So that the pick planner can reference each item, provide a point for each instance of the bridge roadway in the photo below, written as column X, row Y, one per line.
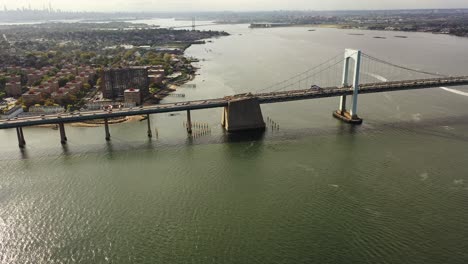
column 263, row 98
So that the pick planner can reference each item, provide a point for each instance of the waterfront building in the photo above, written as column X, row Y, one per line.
column 13, row 112
column 100, row 104
column 115, row 81
column 132, row 96
column 46, row 109
column 32, row 97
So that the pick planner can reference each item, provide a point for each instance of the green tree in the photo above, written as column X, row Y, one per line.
column 20, row 101
column 49, row 102
column 128, row 54
column 62, row 81
column 167, row 57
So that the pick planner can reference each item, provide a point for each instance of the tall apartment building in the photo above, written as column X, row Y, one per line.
column 13, row 89
column 115, row 81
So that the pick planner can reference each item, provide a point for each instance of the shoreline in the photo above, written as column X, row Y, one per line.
column 98, row 122
column 349, row 27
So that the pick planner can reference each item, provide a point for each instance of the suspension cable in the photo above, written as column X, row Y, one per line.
column 315, row 74
column 401, row 67
column 300, row 74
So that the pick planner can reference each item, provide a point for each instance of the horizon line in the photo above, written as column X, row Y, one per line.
column 237, row 11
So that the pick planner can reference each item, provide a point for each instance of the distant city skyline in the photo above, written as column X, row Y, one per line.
column 227, row 5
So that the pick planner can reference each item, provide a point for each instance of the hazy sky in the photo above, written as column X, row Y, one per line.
column 234, row 5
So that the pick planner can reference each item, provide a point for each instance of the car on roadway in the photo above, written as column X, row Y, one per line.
column 316, row 88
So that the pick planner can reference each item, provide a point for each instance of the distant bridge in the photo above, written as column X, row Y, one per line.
column 243, row 112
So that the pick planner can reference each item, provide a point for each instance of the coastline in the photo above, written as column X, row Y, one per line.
column 350, row 27
column 98, row 122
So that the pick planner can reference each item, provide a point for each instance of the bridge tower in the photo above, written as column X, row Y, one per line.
column 342, row 113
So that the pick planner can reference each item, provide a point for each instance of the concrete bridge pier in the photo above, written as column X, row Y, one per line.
column 106, row 126
column 243, row 114
column 21, row 141
column 150, row 134
column 189, row 122
column 63, row 136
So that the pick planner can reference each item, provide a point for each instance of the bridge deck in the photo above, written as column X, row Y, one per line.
column 264, row 98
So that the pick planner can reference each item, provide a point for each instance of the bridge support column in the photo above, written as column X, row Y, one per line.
column 243, row 114
column 150, row 134
column 342, row 108
column 63, row 136
column 341, row 113
column 19, row 133
column 189, row 122
column 22, row 136
column 106, row 126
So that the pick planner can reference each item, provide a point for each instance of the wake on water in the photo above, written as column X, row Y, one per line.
column 383, row 79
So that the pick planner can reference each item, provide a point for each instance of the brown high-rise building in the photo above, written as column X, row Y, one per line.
column 13, row 89
column 115, row 81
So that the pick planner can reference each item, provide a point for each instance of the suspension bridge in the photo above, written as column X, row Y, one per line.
column 341, row 76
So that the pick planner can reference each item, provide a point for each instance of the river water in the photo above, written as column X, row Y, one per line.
column 394, row 190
